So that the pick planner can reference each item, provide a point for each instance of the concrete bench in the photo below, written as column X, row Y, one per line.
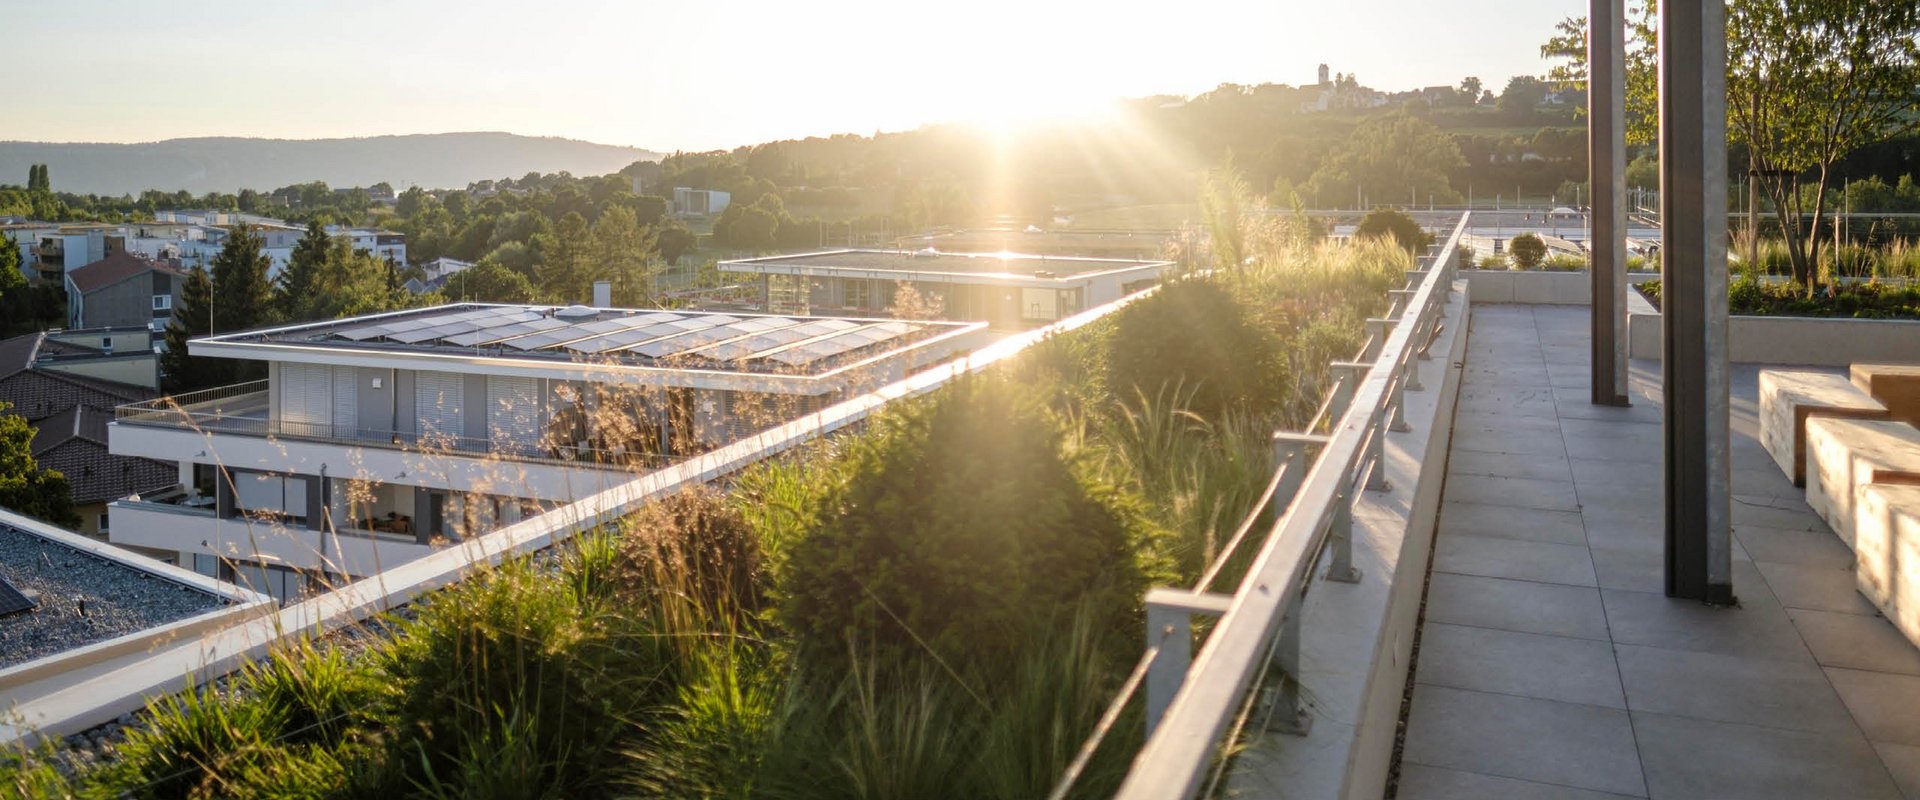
column 1845, row 454
column 1887, row 549
column 1788, row 397
column 1896, row 386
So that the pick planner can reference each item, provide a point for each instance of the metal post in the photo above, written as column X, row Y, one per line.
column 1693, row 213
column 1292, row 452
column 1284, row 714
column 1607, row 172
column 1398, row 422
column 1376, row 337
column 1340, row 539
column 1347, row 375
column 1170, row 627
column 1376, row 452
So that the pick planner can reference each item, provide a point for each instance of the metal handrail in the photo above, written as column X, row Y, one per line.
column 177, row 402
column 157, row 414
column 1174, row 759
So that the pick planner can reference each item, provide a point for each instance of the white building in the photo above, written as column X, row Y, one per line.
column 699, row 202
column 1007, row 290
column 382, row 243
column 374, row 440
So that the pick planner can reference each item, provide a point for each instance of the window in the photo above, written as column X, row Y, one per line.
column 163, row 302
column 103, row 522
column 858, row 294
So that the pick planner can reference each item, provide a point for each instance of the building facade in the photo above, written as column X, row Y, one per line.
column 375, row 440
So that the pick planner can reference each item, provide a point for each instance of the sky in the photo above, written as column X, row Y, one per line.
column 700, row 75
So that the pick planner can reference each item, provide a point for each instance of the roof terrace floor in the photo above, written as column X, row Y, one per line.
column 1551, row 664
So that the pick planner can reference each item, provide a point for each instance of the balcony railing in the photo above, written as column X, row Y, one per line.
column 1249, row 665
column 243, row 409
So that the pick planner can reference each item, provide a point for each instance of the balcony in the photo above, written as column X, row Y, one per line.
column 165, row 522
column 243, row 410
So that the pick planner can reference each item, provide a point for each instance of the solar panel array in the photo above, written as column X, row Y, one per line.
column 12, row 600
column 638, row 335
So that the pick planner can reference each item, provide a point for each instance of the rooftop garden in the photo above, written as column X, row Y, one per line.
column 938, row 604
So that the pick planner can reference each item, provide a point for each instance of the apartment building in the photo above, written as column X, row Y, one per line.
column 1009, row 291
column 374, row 440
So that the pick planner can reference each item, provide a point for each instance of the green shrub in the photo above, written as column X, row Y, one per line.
column 510, row 670
column 692, row 545
column 1193, row 336
column 1493, row 261
column 1562, row 262
column 1388, row 223
column 960, row 530
column 1527, row 251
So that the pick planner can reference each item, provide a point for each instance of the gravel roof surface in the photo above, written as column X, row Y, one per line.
column 118, row 599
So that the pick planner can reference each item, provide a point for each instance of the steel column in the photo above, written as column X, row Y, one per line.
column 1607, row 177
column 1693, row 319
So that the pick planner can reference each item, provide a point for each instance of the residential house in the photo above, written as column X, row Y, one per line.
column 123, row 290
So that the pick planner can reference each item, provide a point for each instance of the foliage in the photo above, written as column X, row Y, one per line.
column 293, row 289
column 622, row 252
column 696, row 546
column 511, row 668
column 25, row 486
column 1810, row 82
column 960, row 531
column 241, row 293
column 566, row 271
column 1193, row 337
column 489, row 282
column 1400, row 156
column 12, row 280
column 1758, row 296
column 191, row 319
column 1386, row 222
column 1527, row 251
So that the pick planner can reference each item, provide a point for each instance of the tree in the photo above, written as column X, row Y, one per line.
column 1527, row 251
column 1388, row 223
column 38, row 180
column 241, row 293
column 1397, row 156
column 1470, row 88
column 350, row 282
column 293, row 291
column 673, row 239
column 11, row 279
column 489, row 282
column 622, row 252
column 566, row 267
column 1809, row 82
column 192, row 318
column 25, row 486
column 1522, row 94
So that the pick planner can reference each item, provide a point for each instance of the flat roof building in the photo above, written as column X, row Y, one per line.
column 1007, row 290
column 375, row 439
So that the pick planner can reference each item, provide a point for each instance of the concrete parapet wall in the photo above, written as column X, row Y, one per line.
column 1537, row 287
column 1356, row 639
column 1811, row 341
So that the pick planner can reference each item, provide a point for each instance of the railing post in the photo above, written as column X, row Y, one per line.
column 1340, row 539
column 1412, row 379
column 1398, row 423
column 1402, row 302
column 1376, row 451
column 1414, row 277
column 1346, row 375
column 1284, row 714
column 1170, row 628
column 1292, row 452
column 1376, row 337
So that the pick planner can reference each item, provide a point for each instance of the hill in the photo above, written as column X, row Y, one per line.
column 436, row 160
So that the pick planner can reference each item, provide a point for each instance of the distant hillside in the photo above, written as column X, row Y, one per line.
column 437, row 160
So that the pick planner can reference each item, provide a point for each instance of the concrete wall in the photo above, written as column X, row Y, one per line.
column 1811, row 341
column 141, row 368
column 1538, row 287
column 161, row 526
